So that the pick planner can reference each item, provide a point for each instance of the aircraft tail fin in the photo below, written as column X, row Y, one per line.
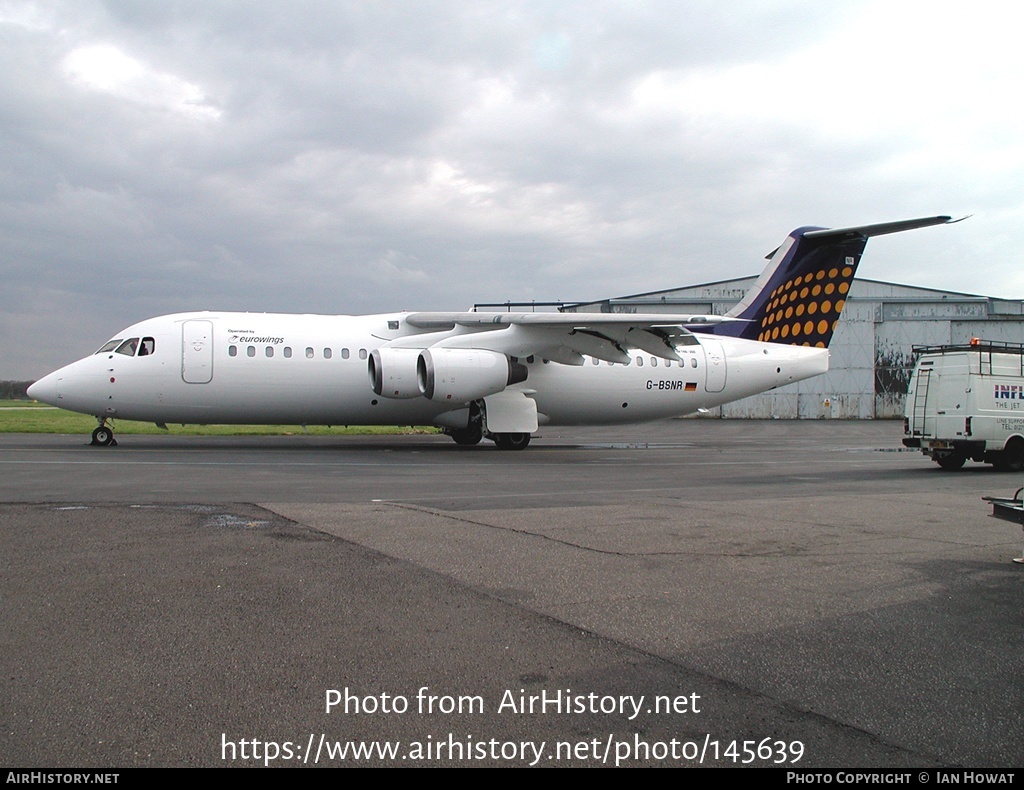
column 799, row 296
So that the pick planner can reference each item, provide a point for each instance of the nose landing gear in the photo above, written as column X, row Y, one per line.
column 103, row 436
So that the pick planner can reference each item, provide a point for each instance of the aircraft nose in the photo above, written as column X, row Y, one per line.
column 44, row 390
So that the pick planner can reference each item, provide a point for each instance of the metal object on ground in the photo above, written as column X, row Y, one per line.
column 1009, row 510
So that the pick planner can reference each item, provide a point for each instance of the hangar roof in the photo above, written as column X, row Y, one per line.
column 723, row 292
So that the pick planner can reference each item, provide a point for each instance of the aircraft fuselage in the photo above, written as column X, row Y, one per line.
column 202, row 368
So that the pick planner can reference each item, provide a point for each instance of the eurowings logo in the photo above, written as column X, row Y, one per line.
column 253, row 339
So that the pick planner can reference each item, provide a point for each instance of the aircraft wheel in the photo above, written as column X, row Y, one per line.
column 103, row 437
column 466, row 437
column 951, row 462
column 511, row 441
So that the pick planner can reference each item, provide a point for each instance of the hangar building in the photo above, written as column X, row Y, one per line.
column 871, row 349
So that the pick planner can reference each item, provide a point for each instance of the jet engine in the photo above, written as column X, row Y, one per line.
column 458, row 375
column 393, row 372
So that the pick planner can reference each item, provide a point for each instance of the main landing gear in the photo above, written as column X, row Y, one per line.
column 511, row 441
column 474, row 433
column 103, row 436
column 467, row 437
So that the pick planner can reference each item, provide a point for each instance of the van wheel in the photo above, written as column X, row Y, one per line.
column 1012, row 458
column 951, row 461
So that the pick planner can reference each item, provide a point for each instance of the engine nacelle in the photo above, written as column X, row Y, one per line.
column 459, row 375
column 393, row 372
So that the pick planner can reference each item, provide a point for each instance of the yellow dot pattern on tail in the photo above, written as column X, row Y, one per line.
column 804, row 311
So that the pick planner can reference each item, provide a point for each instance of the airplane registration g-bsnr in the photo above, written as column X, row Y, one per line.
column 475, row 375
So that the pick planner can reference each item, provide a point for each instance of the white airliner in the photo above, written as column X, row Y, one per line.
column 476, row 375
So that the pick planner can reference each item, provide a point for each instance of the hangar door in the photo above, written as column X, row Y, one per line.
column 197, row 351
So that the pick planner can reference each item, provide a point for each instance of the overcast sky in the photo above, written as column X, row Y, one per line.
column 353, row 157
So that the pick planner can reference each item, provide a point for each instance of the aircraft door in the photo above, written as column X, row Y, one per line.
column 197, row 351
column 714, row 359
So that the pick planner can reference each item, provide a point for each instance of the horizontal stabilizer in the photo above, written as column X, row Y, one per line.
column 800, row 295
column 880, row 229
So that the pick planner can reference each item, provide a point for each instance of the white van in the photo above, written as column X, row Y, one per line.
column 967, row 401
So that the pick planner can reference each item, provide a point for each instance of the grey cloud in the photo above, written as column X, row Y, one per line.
column 353, row 157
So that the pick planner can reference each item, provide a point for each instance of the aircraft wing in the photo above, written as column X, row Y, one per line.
column 562, row 337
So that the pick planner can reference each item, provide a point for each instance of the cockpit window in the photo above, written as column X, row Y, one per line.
column 110, row 346
column 128, row 347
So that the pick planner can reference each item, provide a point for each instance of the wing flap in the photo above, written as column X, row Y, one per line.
column 565, row 345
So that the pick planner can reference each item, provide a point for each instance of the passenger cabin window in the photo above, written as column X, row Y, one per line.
column 128, row 347
column 327, row 353
column 232, row 351
column 270, row 351
column 309, row 353
column 344, row 353
column 362, row 353
column 250, row 351
column 287, row 352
